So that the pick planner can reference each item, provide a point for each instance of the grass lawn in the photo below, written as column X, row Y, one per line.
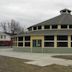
column 9, row 64
column 69, row 57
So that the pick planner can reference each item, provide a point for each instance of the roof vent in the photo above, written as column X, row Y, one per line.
column 65, row 11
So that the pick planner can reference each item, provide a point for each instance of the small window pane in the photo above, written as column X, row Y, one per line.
column 62, row 44
column 54, row 26
column 62, row 37
column 27, row 38
column 20, row 44
column 63, row 26
column 20, row 38
column 48, row 37
column 71, row 37
column 39, row 27
column 30, row 29
column 1, row 36
column 71, row 44
column 47, row 27
column 70, row 26
column 48, row 44
column 34, row 28
column 27, row 44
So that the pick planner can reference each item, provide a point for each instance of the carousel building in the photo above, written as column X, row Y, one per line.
column 53, row 33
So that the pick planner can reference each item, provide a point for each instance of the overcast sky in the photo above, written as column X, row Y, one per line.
column 30, row 12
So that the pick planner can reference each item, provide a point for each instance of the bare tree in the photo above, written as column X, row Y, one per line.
column 3, row 26
column 12, row 27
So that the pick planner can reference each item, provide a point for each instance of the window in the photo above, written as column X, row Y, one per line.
column 4, row 36
column 62, row 37
column 63, row 26
column 20, row 38
column 27, row 44
column 20, row 44
column 39, row 27
column 47, row 27
column 48, row 37
column 54, row 26
column 62, row 44
column 70, row 26
column 27, row 38
column 71, row 37
column 71, row 44
column 34, row 28
column 68, row 11
column 48, row 44
column 64, row 11
column 30, row 29
column 1, row 36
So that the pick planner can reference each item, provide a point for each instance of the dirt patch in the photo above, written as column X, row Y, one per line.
column 10, row 64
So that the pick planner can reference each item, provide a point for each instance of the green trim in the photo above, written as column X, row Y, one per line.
column 44, row 50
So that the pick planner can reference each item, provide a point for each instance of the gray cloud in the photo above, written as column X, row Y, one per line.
column 29, row 12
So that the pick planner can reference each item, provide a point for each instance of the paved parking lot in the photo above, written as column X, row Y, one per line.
column 40, row 59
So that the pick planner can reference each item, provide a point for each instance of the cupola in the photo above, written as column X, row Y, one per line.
column 65, row 11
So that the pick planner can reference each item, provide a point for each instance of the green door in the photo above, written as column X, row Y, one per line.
column 37, row 43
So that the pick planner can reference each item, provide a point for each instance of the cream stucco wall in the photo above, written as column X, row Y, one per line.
column 35, row 37
column 69, row 41
column 59, row 26
column 55, row 41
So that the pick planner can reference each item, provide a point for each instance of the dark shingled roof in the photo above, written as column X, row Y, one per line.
column 65, row 18
column 61, row 19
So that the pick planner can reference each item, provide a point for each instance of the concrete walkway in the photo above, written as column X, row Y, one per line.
column 36, row 58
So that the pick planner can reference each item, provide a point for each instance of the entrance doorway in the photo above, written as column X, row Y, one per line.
column 37, row 43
